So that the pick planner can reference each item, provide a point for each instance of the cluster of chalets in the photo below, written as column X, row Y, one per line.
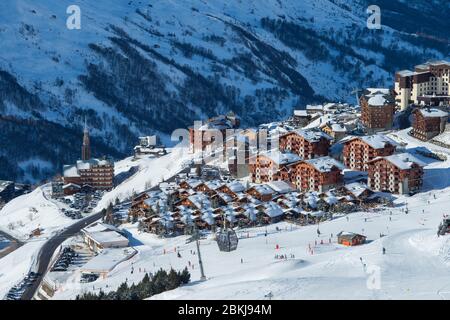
column 178, row 208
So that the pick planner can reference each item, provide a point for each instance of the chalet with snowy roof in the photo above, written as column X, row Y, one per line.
column 398, row 173
column 190, row 183
column 267, row 166
column 305, row 218
column 350, row 238
column 301, row 118
column 377, row 109
column 281, row 187
column 358, row 151
column 307, row 144
column 319, row 174
column 232, row 189
column 269, row 212
column 261, row 192
column 358, row 191
column 335, row 130
column 428, row 123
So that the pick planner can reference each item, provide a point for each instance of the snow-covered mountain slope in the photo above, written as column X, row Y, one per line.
column 141, row 67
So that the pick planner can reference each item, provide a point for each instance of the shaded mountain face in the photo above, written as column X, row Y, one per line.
column 146, row 67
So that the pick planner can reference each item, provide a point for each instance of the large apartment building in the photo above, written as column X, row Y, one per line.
column 358, row 151
column 269, row 166
column 428, row 123
column 377, row 109
column 398, row 173
column 96, row 173
column 205, row 134
column 427, row 84
column 319, row 174
column 307, row 144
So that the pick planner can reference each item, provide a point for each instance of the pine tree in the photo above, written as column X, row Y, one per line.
column 185, row 276
column 173, row 280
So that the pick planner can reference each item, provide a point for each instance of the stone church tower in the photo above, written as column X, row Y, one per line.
column 86, row 148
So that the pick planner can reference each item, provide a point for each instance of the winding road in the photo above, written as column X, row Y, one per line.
column 46, row 252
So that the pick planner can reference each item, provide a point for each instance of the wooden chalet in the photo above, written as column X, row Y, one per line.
column 350, row 238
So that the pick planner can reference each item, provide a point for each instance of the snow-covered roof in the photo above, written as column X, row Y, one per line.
column 377, row 100
column 374, row 91
column 338, row 127
column 200, row 200
column 378, row 96
column 402, row 161
column 87, row 164
column 101, row 227
column 348, row 234
column 356, row 188
column 236, row 186
column 280, row 186
column 312, row 135
column 71, row 185
column 272, row 209
column 263, row 189
column 73, row 170
column 108, row 237
column 300, row 113
column 314, row 107
column 70, row 170
column 325, row 164
column 406, row 73
column 376, row 141
column 194, row 182
column 281, row 158
column 225, row 196
column 433, row 112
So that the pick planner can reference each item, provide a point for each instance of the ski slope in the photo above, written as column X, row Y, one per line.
column 415, row 264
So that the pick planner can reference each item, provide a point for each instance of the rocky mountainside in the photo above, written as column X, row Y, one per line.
column 144, row 67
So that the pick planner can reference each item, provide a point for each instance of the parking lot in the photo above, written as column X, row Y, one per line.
column 81, row 203
column 15, row 293
column 69, row 259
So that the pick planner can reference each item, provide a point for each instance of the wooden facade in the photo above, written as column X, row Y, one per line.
column 357, row 153
column 296, row 143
